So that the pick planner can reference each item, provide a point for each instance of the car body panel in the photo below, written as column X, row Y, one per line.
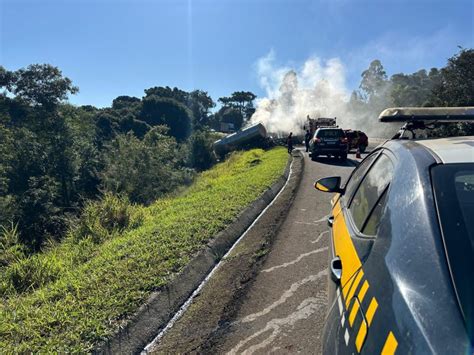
column 397, row 293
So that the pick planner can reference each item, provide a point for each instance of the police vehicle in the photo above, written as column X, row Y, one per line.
column 402, row 244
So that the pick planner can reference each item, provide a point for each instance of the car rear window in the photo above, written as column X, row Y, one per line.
column 330, row 133
column 453, row 186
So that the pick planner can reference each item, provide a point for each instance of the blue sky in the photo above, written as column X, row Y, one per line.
column 111, row 48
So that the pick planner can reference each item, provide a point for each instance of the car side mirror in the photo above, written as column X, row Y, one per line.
column 329, row 184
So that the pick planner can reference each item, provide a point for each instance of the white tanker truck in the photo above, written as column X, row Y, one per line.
column 252, row 135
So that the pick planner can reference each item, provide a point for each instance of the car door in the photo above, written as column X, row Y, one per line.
column 355, row 224
column 334, row 330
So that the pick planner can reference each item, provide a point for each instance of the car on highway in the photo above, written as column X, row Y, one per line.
column 329, row 141
column 401, row 270
column 357, row 140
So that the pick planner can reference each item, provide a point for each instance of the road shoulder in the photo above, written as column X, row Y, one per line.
column 219, row 300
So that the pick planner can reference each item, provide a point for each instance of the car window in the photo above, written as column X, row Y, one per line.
column 454, row 191
column 372, row 225
column 357, row 175
column 330, row 133
column 370, row 190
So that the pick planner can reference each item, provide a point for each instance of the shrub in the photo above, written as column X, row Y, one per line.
column 30, row 274
column 11, row 249
column 105, row 218
column 202, row 152
column 144, row 169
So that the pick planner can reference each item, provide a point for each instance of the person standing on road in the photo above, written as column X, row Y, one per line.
column 307, row 138
column 289, row 141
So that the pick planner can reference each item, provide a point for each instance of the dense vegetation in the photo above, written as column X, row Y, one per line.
column 452, row 85
column 54, row 157
column 75, row 294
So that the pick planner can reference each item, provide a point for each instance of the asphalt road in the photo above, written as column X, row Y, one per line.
column 283, row 311
column 270, row 295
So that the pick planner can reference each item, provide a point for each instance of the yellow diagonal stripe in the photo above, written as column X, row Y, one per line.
column 390, row 345
column 361, row 335
column 355, row 283
column 354, row 310
column 371, row 310
column 363, row 291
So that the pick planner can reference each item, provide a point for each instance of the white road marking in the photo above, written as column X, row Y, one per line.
column 305, row 309
column 319, row 237
column 343, row 319
column 346, row 337
column 307, row 223
column 298, row 259
column 322, row 219
column 287, row 294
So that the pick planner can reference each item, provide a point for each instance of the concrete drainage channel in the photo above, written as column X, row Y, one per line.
column 165, row 307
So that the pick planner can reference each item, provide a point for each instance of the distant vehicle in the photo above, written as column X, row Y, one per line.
column 313, row 124
column 402, row 237
column 331, row 142
column 254, row 134
column 357, row 139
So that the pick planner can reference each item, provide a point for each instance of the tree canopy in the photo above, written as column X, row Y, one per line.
column 242, row 101
column 38, row 84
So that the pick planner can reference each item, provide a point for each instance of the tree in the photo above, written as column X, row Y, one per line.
column 242, row 101
column 374, row 80
column 198, row 102
column 40, row 85
column 6, row 79
column 200, row 105
column 456, row 84
column 455, row 87
column 166, row 92
column 202, row 152
column 144, row 169
column 413, row 89
column 165, row 111
column 124, row 101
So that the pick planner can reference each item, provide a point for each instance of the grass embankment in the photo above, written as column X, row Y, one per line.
column 79, row 292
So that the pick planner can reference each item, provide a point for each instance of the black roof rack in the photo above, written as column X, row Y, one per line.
column 438, row 114
column 425, row 117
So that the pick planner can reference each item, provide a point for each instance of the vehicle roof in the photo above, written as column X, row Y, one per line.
column 452, row 149
column 327, row 128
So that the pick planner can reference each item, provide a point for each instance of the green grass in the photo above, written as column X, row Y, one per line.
column 78, row 293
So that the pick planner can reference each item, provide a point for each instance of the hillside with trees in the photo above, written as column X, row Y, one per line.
column 55, row 156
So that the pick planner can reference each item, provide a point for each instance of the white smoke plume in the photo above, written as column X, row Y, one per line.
column 317, row 88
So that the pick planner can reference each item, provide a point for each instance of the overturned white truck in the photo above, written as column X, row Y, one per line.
column 254, row 135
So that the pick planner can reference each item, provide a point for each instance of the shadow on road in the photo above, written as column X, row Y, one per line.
column 337, row 162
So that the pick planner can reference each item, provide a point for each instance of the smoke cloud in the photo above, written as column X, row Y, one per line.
column 318, row 89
